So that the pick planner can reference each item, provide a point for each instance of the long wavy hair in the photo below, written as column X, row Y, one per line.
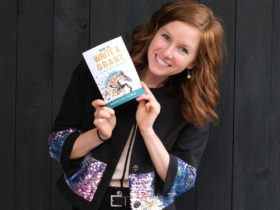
column 199, row 94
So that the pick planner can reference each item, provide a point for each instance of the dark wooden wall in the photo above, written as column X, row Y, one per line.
column 40, row 44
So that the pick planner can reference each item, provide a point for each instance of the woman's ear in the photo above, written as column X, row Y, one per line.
column 191, row 65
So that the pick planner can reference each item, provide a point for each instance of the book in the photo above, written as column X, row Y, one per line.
column 114, row 72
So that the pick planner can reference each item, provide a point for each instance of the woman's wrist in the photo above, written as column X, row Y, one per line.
column 100, row 137
column 147, row 133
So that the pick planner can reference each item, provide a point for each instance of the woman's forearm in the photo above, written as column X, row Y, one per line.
column 85, row 143
column 158, row 153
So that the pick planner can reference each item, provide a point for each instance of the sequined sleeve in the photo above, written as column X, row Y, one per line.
column 56, row 142
column 185, row 178
column 180, row 177
column 184, row 159
column 142, row 190
column 87, row 178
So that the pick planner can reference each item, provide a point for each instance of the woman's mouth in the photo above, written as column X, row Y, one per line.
column 161, row 62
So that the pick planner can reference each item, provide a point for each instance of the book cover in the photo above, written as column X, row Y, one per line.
column 114, row 72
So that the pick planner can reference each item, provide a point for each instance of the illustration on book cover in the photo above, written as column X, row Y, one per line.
column 114, row 72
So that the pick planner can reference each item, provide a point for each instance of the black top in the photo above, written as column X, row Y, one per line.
column 184, row 142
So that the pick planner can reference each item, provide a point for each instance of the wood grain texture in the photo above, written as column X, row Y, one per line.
column 41, row 43
column 256, row 148
column 274, row 113
column 107, row 20
column 8, row 23
column 71, row 38
column 33, row 105
column 140, row 11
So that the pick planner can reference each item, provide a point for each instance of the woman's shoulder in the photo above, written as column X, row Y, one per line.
column 82, row 69
column 83, row 79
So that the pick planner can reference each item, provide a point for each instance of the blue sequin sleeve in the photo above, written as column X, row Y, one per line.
column 142, row 187
column 56, row 141
column 86, row 180
column 185, row 178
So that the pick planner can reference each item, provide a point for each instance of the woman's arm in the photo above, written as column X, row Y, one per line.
column 85, row 143
column 185, row 154
column 147, row 112
column 104, row 121
column 67, row 139
column 158, row 153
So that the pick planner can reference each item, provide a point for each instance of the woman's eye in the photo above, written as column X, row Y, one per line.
column 184, row 50
column 165, row 36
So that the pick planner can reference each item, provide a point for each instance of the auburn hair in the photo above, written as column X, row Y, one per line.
column 199, row 94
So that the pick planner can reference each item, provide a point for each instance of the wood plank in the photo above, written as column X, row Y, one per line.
column 140, row 11
column 274, row 115
column 8, row 22
column 71, row 38
column 256, row 133
column 214, row 183
column 107, row 20
column 33, row 104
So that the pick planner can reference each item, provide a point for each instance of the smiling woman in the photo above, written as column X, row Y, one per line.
column 198, row 83
column 144, row 153
column 172, row 50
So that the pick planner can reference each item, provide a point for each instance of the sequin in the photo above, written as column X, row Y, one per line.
column 85, row 181
column 142, row 191
column 142, row 187
column 56, row 141
column 185, row 177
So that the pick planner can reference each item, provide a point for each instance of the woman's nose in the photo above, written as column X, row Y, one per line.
column 168, row 51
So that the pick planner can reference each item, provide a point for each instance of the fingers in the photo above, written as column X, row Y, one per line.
column 149, row 100
column 104, row 118
column 102, row 114
column 97, row 103
column 98, row 121
column 144, row 98
column 148, row 96
column 101, row 110
column 145, row 87
column 152, row 107
column 108, row 111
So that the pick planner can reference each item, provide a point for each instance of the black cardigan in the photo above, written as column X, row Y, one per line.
column 184, row 142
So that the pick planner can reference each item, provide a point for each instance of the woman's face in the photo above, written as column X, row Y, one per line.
column 173, row 49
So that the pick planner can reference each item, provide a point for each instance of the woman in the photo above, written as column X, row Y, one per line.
column 145, row 152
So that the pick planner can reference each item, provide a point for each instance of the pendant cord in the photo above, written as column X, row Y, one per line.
column 129, row 148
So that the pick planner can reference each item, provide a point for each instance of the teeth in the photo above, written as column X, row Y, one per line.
column 161, row 61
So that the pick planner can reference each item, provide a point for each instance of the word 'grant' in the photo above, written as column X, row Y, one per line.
column 107, row 58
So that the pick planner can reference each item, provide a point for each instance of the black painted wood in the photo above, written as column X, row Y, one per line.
column 256, row 138
column 71, row 38
column 8, row 22
column 33, row 104
column 214, row 188
column 107, row 20
column 41, row 44
column 274, row 114
column 140, row 11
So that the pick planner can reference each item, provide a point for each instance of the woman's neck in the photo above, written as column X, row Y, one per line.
column 151, row 80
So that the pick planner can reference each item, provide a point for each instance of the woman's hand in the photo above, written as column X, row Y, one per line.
column 104, row 119
column 147, row 111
